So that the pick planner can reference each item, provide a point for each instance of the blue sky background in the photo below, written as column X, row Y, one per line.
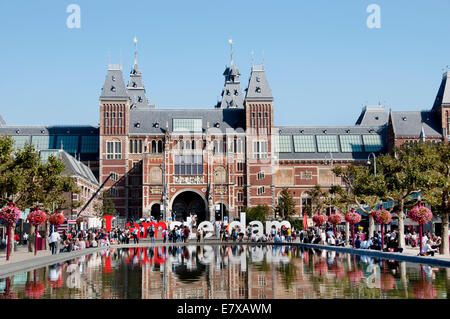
column 322, row 61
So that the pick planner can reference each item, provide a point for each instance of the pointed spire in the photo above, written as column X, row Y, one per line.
column 231, row 52
column 135, row 50
column 422, row 134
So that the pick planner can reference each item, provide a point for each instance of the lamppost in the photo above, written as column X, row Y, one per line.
column 374, row 162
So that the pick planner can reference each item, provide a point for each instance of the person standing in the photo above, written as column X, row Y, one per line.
column 25, row 238
column 53, row 242
column 135, row 236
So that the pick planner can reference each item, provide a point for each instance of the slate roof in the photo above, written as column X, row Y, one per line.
column 136, row 90
column 258, row 86
column 443, row 95
column 232, row 93
column 409, row 124
column 373, row 116
column 114, row 86
column 147, row 119
column 73, row 166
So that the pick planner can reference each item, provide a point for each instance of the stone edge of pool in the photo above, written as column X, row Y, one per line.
column 31, row 264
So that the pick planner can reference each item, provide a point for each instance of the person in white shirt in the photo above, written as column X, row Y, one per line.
column 54, row 239
column 427, row 250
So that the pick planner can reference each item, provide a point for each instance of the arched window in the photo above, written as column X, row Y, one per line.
column 140, row 146
column 135, row 147
column 193, row 144
column 188, row 145
column 131, row 146
column 160, row 147
column 215, row 147
column 153, row 146
column 181, row 145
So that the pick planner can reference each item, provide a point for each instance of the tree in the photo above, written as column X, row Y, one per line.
column 286, row 204
column 318, row 197
column 438, row 195
column 364, row 189
column 105, row 206
column 407, row 172
column 259, row 213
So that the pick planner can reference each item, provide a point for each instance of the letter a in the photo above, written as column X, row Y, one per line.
column 374, row 20
column 73, row 20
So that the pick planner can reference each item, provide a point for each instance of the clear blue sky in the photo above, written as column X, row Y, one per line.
column 322, row 61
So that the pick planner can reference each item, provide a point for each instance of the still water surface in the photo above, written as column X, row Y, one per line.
column 238, row 272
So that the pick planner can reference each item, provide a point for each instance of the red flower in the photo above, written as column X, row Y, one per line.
column 37, row 217
column 35, row 290
column 420, row 214
column 382, row 216
column 57, row 218
column 319, row 219
column 352, row 217
column 335, row 218
column 10, row 214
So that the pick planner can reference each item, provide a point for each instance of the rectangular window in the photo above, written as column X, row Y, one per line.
column 260, row 149
column 113, row 150
column 240, row 181
column 107, row 119
column 373, row 143
column 187, row 125
column 350, row 143
column 259, row 119
column 188, row 165
column 327, row 143
column 253, row 118
column 260, row 190
column 240, row 197
column 120, row 119
column 304, row 144
column 113, row 121
column 266, row 119
column 284, row 144
column 260, row 176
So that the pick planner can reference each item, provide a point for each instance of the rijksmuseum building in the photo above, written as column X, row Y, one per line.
column 213, row 162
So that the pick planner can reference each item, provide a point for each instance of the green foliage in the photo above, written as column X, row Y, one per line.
column 296, row 223
column 29, row 182
column 286, row 204
column 105, row 206
column 257, row 213
column 318, row 199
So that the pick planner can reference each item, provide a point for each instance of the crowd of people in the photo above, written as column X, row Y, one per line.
column 76, row 239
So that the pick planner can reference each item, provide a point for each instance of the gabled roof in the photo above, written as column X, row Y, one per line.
column 443, row 95
column 74, row 167
column 373, row 116
column 258, row 87
column 114, row 86
column 409, row 124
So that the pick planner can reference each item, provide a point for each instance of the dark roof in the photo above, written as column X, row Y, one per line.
column 443, row 95
column 373, row 116
column 114, row 86
column 147, row 119
column 409, row 124
column 258, row 86
column 49, row 130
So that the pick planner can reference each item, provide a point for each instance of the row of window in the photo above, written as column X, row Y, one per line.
column 329, row 143
column 70, row 143
column 260, row 122
column 113, row 121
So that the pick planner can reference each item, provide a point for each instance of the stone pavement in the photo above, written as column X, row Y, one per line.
column 22, row 260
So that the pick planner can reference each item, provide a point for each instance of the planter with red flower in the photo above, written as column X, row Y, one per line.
column 382, row 217
column 319, row 219
column 353, row 218
column 421, row 215
column 10, row 216
column 335, row 219
column 36, row 218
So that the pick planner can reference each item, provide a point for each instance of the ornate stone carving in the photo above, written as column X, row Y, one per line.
column 188, row 180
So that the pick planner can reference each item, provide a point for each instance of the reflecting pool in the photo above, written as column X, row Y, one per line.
column 237, row 272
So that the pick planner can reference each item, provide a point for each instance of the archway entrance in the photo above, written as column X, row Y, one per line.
column 156, row 211
column 186, row 204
